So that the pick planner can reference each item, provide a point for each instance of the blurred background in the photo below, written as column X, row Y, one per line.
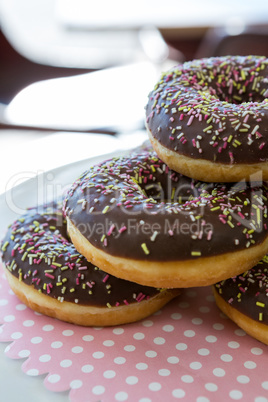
column 84, row 66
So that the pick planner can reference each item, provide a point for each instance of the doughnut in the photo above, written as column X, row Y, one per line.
column 244, row 299
column 137, row 219
column 47, row 273
column 208, row 118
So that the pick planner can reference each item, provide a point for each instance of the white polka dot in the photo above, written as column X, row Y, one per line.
column 129, row 348
column 164, row 372
column 98, row 390
column 9, row 318
column 159, row 340
column 21, row 307
column 118, row 331
column 67, row 332
column 178, row 393
column 33, row 372
column 151, row 353
column 109, row 374
column 184, row 304
column 195, row 365
column 250, row 365
column 132, row 380
column 218, row 326
column 235, row 394
column 78, row 349
column 97, row 355
column 16, row 335
column 219, row 372
column 204, row 309
column 24, row 353
column 66, row 363
column 243, row 379
column 181, row 346
column 121, row 396
column 48, row 328
column 7, row 349
column 240, row 332
column 56, row 345
column 173, row 360
column 211, row 339
column 76, row 384
column 3, row 302
column 226, row 358
column 36, row 339
column 260, row 399
column 53, row 378
column 28, row 323
column 145, row 400
column 141, row 366
column 108, row 343
column 265, row 385
column 203, row 352
column 188, row 379
column 189, row 333
column 119, row 360
column 154, row 386
column 44, row 358
column 147, row 323
column 139, row 336
column 88, row 338
column 257, row 351
column 176, row 316
column 191, row 293
column 168, row 328
column 197, row 321
column 210, row 298
column 233, row 345
column 211, row 387
column 202, row 399
column 87, row 368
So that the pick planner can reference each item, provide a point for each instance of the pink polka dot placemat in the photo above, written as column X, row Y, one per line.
column 187, row 351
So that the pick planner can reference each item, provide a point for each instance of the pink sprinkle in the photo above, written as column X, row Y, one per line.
column 111, row 229
column 262, row 145
column 49, row 275
column 170, row 232
column 126, row 302
column 181, row 116
column 122, row 229
column 105, row 278
column 209, row 235
column 190, row 120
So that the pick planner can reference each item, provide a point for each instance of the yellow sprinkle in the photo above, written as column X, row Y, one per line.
column 260, row 304
column 145, row 248
column 196, row 253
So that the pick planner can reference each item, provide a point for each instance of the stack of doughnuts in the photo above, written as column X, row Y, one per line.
column 192, row 211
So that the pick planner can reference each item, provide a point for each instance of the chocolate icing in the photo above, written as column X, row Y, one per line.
column 214, row 109
column 136, row 207
column 36, row 250
column 248, row 293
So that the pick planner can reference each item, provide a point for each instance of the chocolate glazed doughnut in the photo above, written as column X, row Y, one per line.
column 208, row 118
column 48, row 274
column 138, row 220
column 244, row 300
